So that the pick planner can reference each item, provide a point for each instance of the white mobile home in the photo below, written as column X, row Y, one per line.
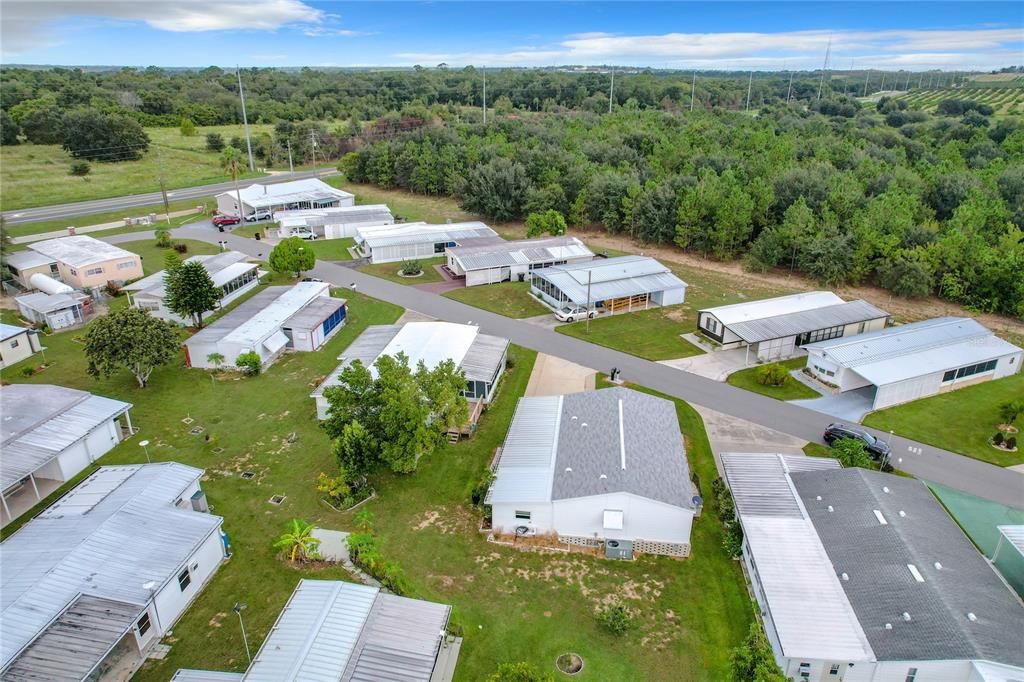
column 93, row 582
column 510, row 261
column 862, row 576
column 776, row 328
column 916, row 360
column 596, row 467
column 17, row 343
column 283, row 196
column 481, row 357
column 621, row 284
column 393, row 243
column 301, row 317
column 331, row 223
column 339, row 631
column 229, row 270
column 49, row 434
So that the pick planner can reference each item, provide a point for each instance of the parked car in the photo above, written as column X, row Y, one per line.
column 303, row 234
column 225, row 220
column 311, row 279
column 258, row 216
column 878, row 449
column 571, row 313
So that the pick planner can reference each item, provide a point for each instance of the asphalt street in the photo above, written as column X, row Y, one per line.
column 923, row 461
column 33, row 215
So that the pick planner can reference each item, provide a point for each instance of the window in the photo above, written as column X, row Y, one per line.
column 336, row 318
column 820, row 335
column 834, row 670
column 184, row 580
column 94, row 271
column 822, row 370
column 711, row 324
column 911, row 674
column 14, row 343
column 124, row 265
column 805, row 671
column 143, row 624
column 522, row 516
column 74, row 272
column 969, row 370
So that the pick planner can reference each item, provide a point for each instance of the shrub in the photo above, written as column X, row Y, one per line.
column 181, row 248
column 614, row 618
column 214, row 142
column 411, row 267
column 250, row 363
column 481, row 487
column 732, row 541
column 1010, row 410
column 998, row 438
column 335, row 489
column 163, row 238
column 28, row 371
column 774, row 374
column 365, row 553
column 1011, row 442
column 80, row 168
column 113, row 289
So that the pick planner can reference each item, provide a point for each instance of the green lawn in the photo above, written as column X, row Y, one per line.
column 791, row 390
column 37, row 175
column 332, row 249
column 961, row 421
column 511, row 299
column 651, row 334
column 389, row 271
column 153, row 255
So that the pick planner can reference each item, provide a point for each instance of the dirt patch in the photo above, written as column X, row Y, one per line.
column 446, row 521
column 216, row 622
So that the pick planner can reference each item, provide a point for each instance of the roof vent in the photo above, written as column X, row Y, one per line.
column 568, row 470
column 845, row 576
column 906, row 616
column 881, row 519
column 830, row 508
column 885, row 489
column 938, row 566
column 818, row 498
column 916, row 573
column 603, row 476
column 888, row 626
column 574, row 418
column 903, row 514
column 583, row 425
column 971, row 617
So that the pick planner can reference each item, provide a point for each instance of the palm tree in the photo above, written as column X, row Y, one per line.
column 232, row 163
column 215, row 359
column 298, row 541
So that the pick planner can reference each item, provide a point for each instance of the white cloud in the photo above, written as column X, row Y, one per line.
column 325, row 31
column 25, row 22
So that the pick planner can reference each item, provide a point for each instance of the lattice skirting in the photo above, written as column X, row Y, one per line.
column 666, row 548
column 580, row 540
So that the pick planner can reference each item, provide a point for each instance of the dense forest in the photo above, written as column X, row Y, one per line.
column 916, row 202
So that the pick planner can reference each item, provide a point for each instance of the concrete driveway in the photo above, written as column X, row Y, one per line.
column 850, row 406
column 716, row 365
column 729, row 434
column 555, row 376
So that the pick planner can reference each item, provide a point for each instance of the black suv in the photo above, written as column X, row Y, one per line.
column 879, row 450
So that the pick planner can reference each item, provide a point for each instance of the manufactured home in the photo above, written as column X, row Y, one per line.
column 310, row 193
column 86, row 263
column 17, row 343
column 513, row 261
column 405, row 241
column 615, row 285
column 336, row 222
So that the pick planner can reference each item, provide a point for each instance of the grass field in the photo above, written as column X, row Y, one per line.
column 961, row 421
column 331, row 249
column 153, row 255
column 511, row 299
column 791, row 390
column 514, row 606
column 1005, row 97
column 651, row 334
column 37, row 175
column 389, row 271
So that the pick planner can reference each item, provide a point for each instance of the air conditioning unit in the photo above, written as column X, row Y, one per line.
column 619, row 549
column 199, row 502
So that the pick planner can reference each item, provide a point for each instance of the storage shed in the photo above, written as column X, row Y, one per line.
column 915, row 360
column 300, row 317
column 596, row 466
column 57, row 311
column 776, row 328
column 283, row 196
column 510, row 261
column 332, row 223
column 623, row 284
column 481, row 357
column 393, row 243
column 17, row 343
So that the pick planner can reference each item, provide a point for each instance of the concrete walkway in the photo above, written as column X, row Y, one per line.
column 717, row 365
column 919, row 459
column 555, row 376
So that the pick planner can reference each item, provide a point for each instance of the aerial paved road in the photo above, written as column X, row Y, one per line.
column 34, row 215
column 924, row 461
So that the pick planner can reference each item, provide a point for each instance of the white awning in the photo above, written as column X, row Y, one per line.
column 276, row 342
column 613, row 519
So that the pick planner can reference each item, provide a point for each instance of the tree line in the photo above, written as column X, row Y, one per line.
column 916, row 203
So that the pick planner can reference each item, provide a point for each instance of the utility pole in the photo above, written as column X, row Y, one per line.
column 163, row 189
column 590, row 277
column 693, row 90
column 907, row 85
column 485, row 94
column 750, row 85
column 824, row 67
column 867, row 78
column 291, row 167
column 611, row 91
column 245, row 119
column 920, row 81
column 789, row 94
column 312, row 145
column 881, row 88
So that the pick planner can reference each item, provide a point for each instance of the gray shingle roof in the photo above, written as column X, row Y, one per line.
column 648, row 441
column 791, row 324
column 881, row 587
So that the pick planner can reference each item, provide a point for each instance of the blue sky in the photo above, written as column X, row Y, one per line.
column 733, row 35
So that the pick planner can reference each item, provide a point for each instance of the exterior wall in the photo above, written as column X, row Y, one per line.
column 17, row 348
column 669, row 296
column 171, row 601
column 643, row 519
column 932, row 384
column 490, row 276
column 845, row 378
column 776, row 349
column 503, row 516
column 394, row 254
column 227, row 203
column 81, row 279
column 453, row 264
column 25, row 275
column 157, row 307
column 721, row 334
column 97, row 443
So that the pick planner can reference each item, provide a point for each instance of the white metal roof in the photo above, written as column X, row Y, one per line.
column 1014, row 534
column 432, row 342
column 911, row 350
column 264, row 317
column 333, row 215
column 80, row 250
column 9, row 331
column 331, row 631
column 812, row 616
column 523, row 252
column 40, row 421
column 376, row 236
column 46, row 303
column 222, row 268
column 792, row 324
column 526, row 467
column 22, row 260
column 611, row 278
column 276, row 194
column 769, row 307
column 114, row 532
column 189, row 675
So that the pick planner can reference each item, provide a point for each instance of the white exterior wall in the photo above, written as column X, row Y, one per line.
column 82, row 453
column 669, row 296
column 400, row 252
column 884, row 671
column 776, row 349
column 489, row 276
column 171, row 601
column 728, row 337
column 846, row 379
column 16, row 349
column 503, row 516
